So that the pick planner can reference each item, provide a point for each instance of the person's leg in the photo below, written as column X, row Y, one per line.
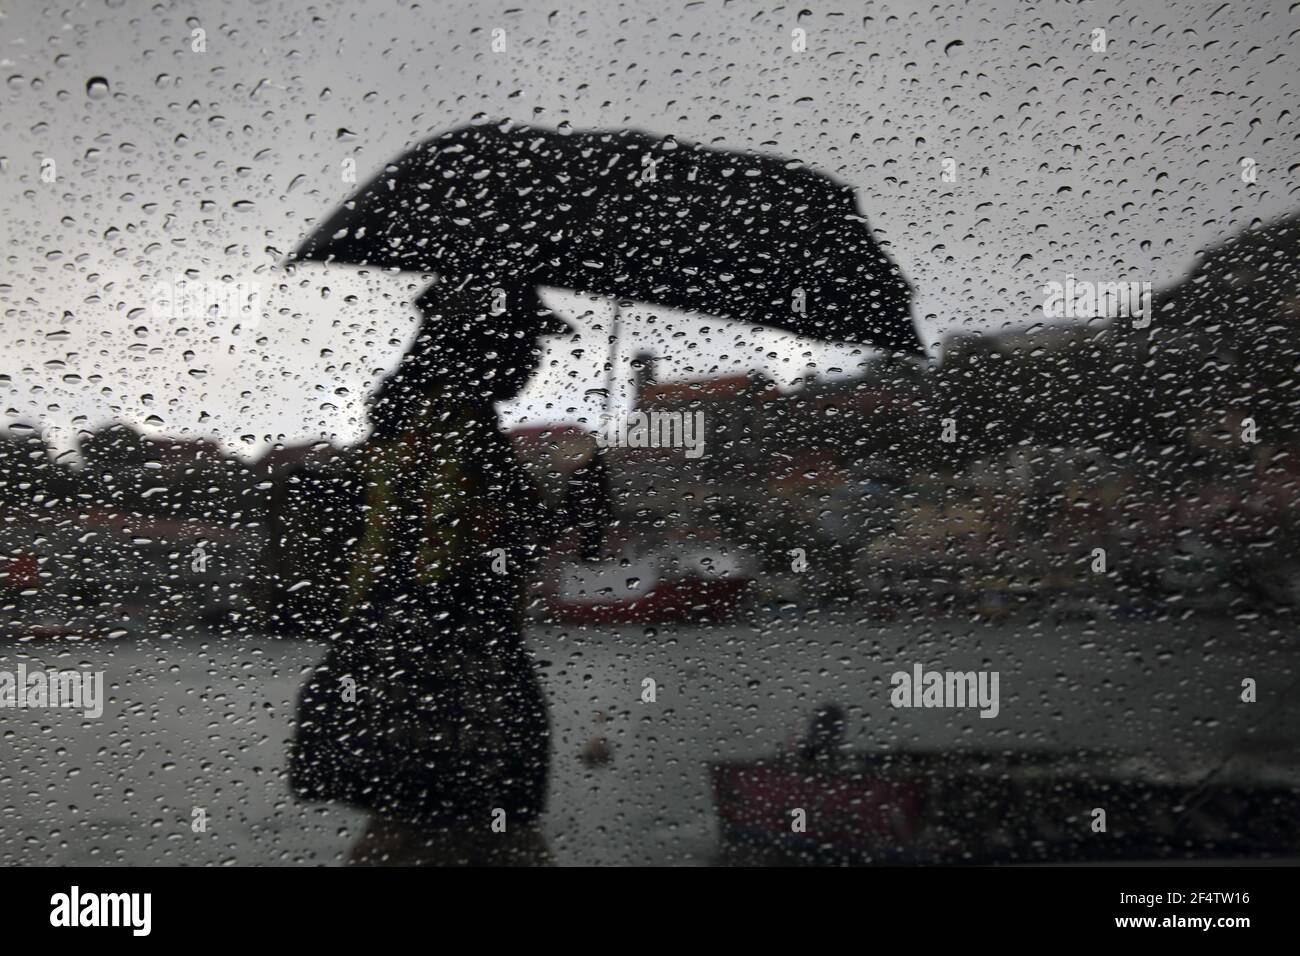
column 525, row 845
column 384, row 842
column 388, row 842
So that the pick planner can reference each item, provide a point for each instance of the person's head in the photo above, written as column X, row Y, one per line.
column 473, row 350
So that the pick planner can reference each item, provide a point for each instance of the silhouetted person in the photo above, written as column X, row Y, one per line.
column 427, row 711
column 824, row 741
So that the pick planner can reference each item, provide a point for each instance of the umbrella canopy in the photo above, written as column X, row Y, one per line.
column 626, row 215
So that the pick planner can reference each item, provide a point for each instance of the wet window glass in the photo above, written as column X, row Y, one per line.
column 629, row 434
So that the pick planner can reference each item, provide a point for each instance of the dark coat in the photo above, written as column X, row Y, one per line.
column 427, row 708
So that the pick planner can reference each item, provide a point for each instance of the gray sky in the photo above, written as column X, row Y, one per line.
column 1107, row 165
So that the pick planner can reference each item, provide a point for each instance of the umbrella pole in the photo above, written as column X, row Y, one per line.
column 615, row 333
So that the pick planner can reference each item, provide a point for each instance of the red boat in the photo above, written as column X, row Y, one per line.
column 703, row 584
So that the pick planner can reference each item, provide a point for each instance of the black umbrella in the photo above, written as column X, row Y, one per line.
column 625, row 215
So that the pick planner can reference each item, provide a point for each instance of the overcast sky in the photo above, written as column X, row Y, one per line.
column 1108, row 165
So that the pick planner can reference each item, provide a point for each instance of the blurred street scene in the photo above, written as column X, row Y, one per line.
column 210, row 714
column 1093, row 470
column 1123, row 571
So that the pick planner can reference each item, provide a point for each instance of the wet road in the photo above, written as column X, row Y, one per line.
column 202, row 725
